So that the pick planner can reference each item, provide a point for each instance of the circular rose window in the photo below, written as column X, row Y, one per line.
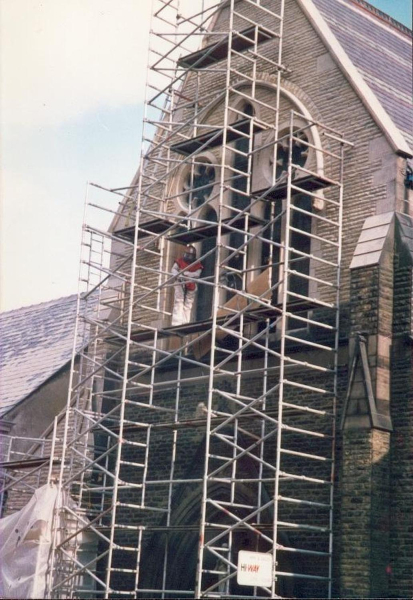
column 197, row 184
column 299, row 151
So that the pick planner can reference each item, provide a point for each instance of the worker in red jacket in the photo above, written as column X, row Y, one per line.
column 185, row 270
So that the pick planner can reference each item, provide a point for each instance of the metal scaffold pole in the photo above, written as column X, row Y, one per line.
column 190, row 448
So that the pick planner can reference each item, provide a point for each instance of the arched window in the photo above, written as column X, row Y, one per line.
column 183, row 542
column 300, row 242
column 270, row 253
column 239, row 198
column 300, row 222
column 196, row 183
column 205, row 290
column 299, row 151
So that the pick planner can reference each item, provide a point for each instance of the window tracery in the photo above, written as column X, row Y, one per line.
column 247, row 172
column 197, row 183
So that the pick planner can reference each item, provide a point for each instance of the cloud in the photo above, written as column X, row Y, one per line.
column 43, row 184
column 34, row 264
column 72, row 75
column 60, row 59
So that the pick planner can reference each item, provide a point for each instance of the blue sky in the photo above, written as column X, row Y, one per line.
column 73, row 76
column 398, row 9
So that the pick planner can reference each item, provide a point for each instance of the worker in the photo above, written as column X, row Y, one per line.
column 185, row 270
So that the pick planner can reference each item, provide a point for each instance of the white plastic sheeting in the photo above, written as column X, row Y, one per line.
column 26, row 538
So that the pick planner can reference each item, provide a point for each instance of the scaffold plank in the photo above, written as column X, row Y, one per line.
column 212, row 139
column 155, row 226
column 309, row 183
column 219, row 50
column 27, row 463
column 253, row 315
column 182, row 235
column 191, row 236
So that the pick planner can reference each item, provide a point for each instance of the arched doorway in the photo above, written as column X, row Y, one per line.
column 181, row 542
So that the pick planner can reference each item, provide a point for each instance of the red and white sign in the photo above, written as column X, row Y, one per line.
column 254, row 568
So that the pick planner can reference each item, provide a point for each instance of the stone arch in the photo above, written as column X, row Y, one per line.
column 294, row 94
column 239, row 103
column 183, row 542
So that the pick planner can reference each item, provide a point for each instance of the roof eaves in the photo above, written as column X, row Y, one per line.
column 369, row 99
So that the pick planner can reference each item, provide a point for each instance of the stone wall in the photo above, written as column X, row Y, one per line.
column 401, row 471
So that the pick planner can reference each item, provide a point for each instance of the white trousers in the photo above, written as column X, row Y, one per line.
column 183, row 302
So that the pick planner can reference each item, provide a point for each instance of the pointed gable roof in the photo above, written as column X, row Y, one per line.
column 375, row 53
column 36, row 342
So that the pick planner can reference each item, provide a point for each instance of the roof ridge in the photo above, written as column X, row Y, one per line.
column 383, row 16
column 39, row 304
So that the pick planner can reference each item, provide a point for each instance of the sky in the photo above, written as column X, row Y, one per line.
column 72, row 81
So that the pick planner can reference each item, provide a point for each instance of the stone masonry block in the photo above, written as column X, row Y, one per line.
column 325, row 63
column 379, row 148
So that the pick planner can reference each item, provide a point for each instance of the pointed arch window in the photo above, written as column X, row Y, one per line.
column 239, row 198
column 205, row 294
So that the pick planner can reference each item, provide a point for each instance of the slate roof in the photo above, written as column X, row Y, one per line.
column 36, row 341
column 381, row 50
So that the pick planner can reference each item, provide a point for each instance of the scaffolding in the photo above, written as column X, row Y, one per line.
column 184, row 445
column 25, row 464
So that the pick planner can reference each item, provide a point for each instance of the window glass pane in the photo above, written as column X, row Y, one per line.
column 300, row 241
column 239, row 200
column 205, row 292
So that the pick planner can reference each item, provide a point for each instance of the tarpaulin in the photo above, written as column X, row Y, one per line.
column 25, row 540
